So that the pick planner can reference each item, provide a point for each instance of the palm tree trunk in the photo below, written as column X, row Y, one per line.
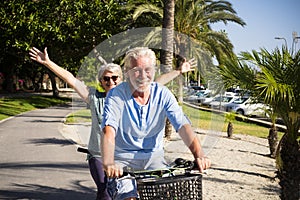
column 167, row 36
column 273, row 140
column 229, row 129
column 289, row 168
column 167, row 47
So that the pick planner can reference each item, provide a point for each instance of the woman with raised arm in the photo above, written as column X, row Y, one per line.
column 109, row 76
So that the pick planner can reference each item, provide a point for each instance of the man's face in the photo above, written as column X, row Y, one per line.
column 141, row 74
column 109, row 80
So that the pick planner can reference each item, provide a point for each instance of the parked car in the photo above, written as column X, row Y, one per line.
column 221, row 101
column 237, row 92
column 188, row 91
column 247, row 106
column 201, row 87
column 197, row 96
column 205, row 99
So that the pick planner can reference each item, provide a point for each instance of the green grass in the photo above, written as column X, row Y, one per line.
column 79, row 116
column 16, row 105
column 212, row 121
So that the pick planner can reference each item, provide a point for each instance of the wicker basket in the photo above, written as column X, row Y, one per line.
column 180, row 187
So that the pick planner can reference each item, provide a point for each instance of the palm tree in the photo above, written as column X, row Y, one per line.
column 275, row 79
column 230, row 117
column 192, row 18
column 167, row 35
column 167, row 47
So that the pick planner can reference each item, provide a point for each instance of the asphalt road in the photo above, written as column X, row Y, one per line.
column 37, row 162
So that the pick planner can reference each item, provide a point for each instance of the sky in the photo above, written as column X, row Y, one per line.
column 265, row 20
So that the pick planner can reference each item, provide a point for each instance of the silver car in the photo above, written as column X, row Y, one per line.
column 246, row 106
column 220, row 102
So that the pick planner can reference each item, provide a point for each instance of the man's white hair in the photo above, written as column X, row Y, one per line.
column 137, row 52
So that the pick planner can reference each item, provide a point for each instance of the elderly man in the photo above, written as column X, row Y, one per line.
column 134, row 122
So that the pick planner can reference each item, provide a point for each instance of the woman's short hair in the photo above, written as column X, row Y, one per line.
column 111, row 67
column 137, row 52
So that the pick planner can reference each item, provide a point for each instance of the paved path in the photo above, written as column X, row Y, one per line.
column 37, row 162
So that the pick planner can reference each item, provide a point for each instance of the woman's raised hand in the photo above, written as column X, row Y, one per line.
column 187, row 66
column 37, row 55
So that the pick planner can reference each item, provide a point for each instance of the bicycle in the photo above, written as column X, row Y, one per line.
column 180, row 182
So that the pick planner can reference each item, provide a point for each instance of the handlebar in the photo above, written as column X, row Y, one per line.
column 178, row 167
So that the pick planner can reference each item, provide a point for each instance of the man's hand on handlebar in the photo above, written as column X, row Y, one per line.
column 203, row 163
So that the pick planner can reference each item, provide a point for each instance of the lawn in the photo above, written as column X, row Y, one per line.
column 80, row 116
column 15, row 105
column 213, row 121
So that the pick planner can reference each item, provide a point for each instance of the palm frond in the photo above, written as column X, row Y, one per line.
column 146, row 8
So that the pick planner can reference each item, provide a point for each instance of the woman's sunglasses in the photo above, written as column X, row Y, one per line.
column 107, row 78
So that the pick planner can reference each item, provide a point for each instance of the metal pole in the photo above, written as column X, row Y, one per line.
column 295, row 40
column 282, row 38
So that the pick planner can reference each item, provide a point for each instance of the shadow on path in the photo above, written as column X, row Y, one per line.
column 244, row 172
column 24, row 190
column 43, row 192
column 54, row 141
column 41, row 165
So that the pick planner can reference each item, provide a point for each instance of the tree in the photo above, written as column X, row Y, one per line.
column 271, row 77
column 70, row 30
column 193, row 18
column 230, row 117
column 167, row 35
column 167, row 47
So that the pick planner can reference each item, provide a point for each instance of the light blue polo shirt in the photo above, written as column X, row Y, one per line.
column 140, row 128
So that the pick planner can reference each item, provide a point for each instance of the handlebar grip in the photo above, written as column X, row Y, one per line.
column 83, row 150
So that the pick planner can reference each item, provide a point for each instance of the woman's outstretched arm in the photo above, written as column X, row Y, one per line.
column 43, row 58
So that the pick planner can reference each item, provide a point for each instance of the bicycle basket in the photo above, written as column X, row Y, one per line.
column 180, row 187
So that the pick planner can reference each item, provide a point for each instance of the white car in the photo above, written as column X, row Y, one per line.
column 247, row 106
column 221, row 101
column 197, row 96
column 205, row 99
